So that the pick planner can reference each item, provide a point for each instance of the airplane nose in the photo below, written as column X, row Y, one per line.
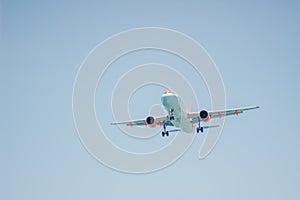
column 168, row 99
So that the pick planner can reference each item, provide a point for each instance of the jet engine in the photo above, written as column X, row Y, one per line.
column 151, row 121
column 204, row 116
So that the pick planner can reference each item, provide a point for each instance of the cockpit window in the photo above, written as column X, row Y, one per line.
column 168, row 91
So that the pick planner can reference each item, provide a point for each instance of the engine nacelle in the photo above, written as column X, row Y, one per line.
column 204, row 116
column 151, row 121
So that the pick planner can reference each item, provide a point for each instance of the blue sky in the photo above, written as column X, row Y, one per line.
column 255, row 46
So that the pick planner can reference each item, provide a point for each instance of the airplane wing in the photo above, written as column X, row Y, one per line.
column 143, row 122
column 195, row 117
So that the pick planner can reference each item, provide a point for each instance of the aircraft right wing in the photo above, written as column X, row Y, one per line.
column 195, row 116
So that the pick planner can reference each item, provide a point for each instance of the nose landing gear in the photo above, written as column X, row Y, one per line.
column 171, row 112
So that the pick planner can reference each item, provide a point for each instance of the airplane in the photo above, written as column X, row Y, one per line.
column 180, row 118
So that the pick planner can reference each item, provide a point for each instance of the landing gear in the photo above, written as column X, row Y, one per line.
column 165, row 132
column 199, row 128
column 171, row 114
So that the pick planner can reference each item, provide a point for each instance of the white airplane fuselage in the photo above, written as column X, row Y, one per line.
column 171, row 101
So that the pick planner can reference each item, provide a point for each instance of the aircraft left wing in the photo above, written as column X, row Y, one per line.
column 151, row 121
column 195, row 116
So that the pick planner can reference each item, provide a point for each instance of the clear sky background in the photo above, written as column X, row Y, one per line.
column 255, row 45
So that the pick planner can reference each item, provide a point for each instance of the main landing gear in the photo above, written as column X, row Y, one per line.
column 165, row 132
column 199, row 128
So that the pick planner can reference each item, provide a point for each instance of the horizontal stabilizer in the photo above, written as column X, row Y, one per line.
column 205, row 127
column 174, row 130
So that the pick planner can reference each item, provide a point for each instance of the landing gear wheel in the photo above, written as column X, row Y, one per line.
column 199, row 128
column 171, row 114
column 165, row 133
